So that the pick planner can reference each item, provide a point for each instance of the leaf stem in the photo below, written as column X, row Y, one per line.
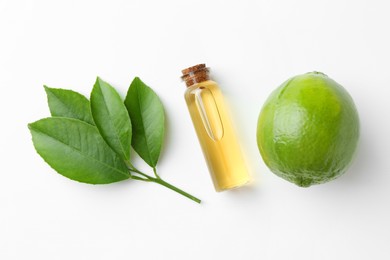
column 132, row 168
column 139, row 178
column 170, row 186
column 160, row 181
column 129, row 165
column 155, row 173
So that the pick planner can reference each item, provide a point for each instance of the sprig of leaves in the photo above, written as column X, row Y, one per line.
column 89, row 141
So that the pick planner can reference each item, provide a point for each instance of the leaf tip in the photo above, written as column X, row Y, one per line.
column 136, row 80
column 30, row 126
column 99, row 79
column 46, row 88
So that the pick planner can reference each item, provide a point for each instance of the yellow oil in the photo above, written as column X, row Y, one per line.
column 216, row 135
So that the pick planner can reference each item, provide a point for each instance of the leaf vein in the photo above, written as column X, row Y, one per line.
column 112, row 123
column 80, row 152
column 143, row 126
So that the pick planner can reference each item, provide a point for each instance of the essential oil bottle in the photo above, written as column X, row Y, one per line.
column 214, row 128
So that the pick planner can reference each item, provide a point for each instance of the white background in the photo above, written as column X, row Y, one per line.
column 252, row 47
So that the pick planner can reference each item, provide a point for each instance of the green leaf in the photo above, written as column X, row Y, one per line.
column 147, row 117
column 111, row 118
column 68, row 103
column 76, row 150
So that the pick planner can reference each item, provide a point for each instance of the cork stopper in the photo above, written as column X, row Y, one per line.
column 195, row 74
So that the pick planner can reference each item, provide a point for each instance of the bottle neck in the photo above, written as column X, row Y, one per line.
column 195, row 74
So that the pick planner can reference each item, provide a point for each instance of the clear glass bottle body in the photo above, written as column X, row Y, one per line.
column 216, row 135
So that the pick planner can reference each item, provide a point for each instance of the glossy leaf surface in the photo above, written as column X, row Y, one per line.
column 111, row 118
column 76, row 150
column 68, row 103
column 147, row 116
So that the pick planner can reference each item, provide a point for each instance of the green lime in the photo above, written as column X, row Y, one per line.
column 308, row 130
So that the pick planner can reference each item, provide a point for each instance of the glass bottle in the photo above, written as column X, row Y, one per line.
column 214, row 129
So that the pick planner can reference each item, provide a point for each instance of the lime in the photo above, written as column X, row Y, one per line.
column 308, row 130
